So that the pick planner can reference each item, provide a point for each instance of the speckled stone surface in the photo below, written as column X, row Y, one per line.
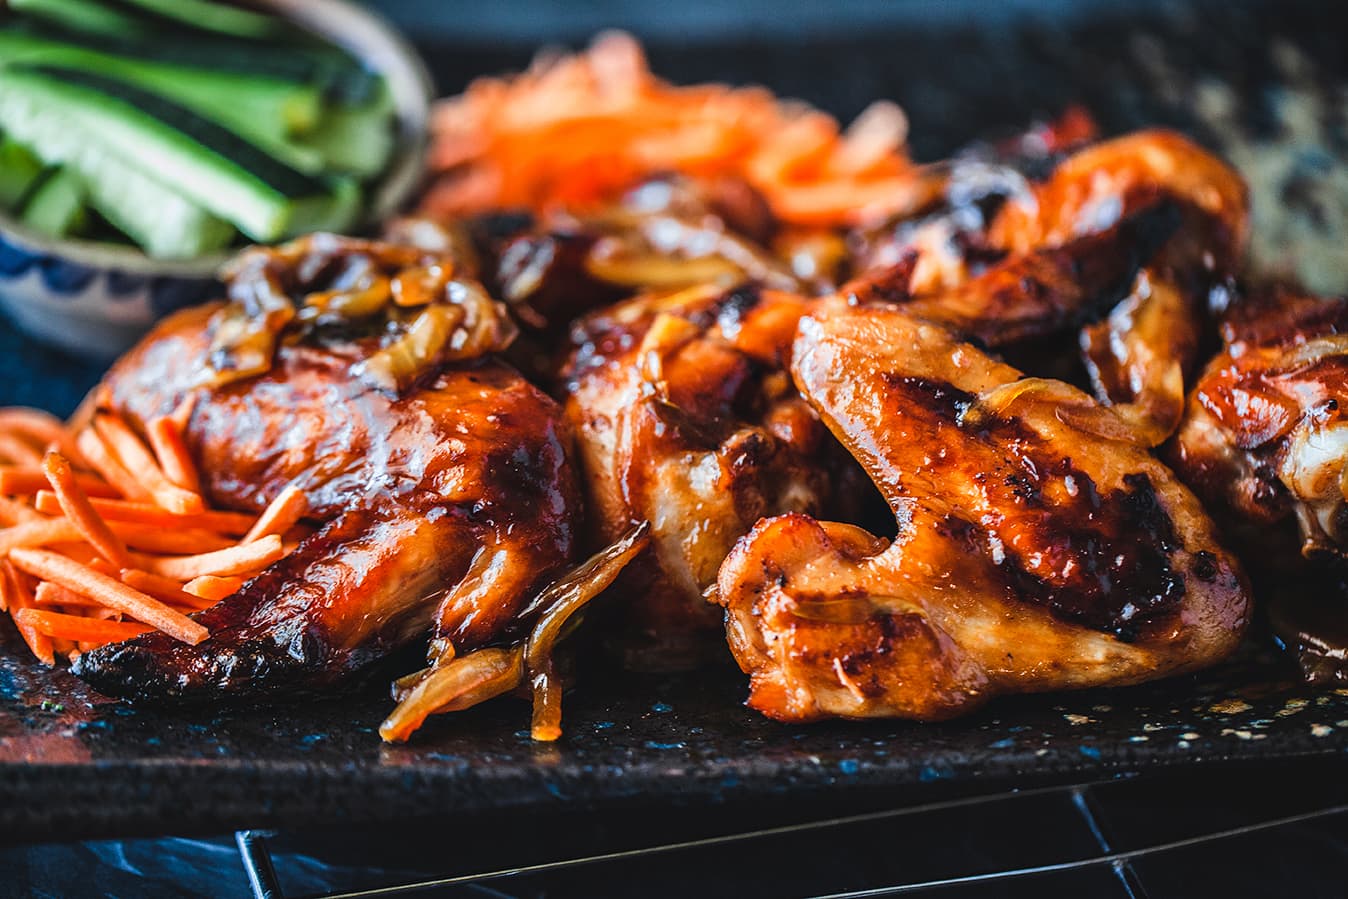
column 72, row 764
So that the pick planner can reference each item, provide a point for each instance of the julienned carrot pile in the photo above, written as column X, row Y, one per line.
column 105, row 534
column 574, row 131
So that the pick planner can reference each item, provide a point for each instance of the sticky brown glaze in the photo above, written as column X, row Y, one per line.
column 1264, row 441
column 685, row 416
column 1051, row 289
column 1038, row 546
column 1265, row 433
column 1093, row 189
column 441, row 509
column 1140, row 356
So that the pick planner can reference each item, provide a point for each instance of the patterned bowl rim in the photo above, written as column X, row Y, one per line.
column 375, row 43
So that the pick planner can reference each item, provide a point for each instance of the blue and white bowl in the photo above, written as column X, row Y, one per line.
column 93, row 299
column 97, row 299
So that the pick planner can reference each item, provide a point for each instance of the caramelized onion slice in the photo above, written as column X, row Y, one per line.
column 458, row 683
column 556, row 605
column 463, row 683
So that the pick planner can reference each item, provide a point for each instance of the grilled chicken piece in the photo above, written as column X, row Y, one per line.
column 1265, row 443
column 1039, row 547
column 1265, row 437
column 1140, row 355
column 685, row 417
column 1038, row 293
column 441, row 509
column 1061, row 253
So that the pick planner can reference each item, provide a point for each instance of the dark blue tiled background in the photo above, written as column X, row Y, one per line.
column 32, row 375
column 540, row 21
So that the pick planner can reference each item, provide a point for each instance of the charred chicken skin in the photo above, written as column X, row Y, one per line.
column 1265, row 443
column 1039, row 547
column 1122, row 241
column 441, row 503
column 685, row 417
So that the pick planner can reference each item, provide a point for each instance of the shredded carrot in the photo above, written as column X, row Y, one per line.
column 14, row 512
column 183, row 413
column 166, row 439
column 39, row 427
column 39, row 533
column 165, row 589
column 284, row 513
column 74, row 627
column 14, row 449
column 154, row 539
column 18, row 596
column 80, row 552
column 78, row 510
column 242, row 559
column 135, row 457
column 575, row 131
column 230, row 523
column 111, row 593
column 83, row 416
column 211, row 587
column 102, row 460
column 68, row 575
column 26, row 481
column 49, row 594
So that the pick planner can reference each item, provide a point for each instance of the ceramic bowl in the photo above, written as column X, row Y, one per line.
column 96, row 299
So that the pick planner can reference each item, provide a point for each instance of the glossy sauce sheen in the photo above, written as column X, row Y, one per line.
column 1264, row 441
column 1038, row 547
column 441, row 510
column 679, row 422
column 1092, row 558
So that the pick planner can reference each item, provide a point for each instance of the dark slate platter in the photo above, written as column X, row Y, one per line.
column 75, row 765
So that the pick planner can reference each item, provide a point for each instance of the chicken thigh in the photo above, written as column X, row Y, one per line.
column 442, row 501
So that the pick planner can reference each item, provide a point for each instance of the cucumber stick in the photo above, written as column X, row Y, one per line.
column 164, row 223
column 56, row 206
column 120, row 17
column 80, row 15
column 328, row 69
column 257, row 106
column 209, row 15
column 358, row 140
column 20, row 169
column 265, row 198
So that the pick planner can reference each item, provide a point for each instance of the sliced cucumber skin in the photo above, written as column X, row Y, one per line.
column 357, row 140
column 267, row 108
column 265, row 198
column 303, row 62
column 56, row 207
column 206, row 16
column 80, row 15
column 20, row 170
column 162, row 222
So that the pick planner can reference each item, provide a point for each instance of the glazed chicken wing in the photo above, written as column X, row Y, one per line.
column 685, row 417
column 1139, row 356
column 1123, row 240
column 1038, row 546
column 1265, row 443
column 441, row 502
